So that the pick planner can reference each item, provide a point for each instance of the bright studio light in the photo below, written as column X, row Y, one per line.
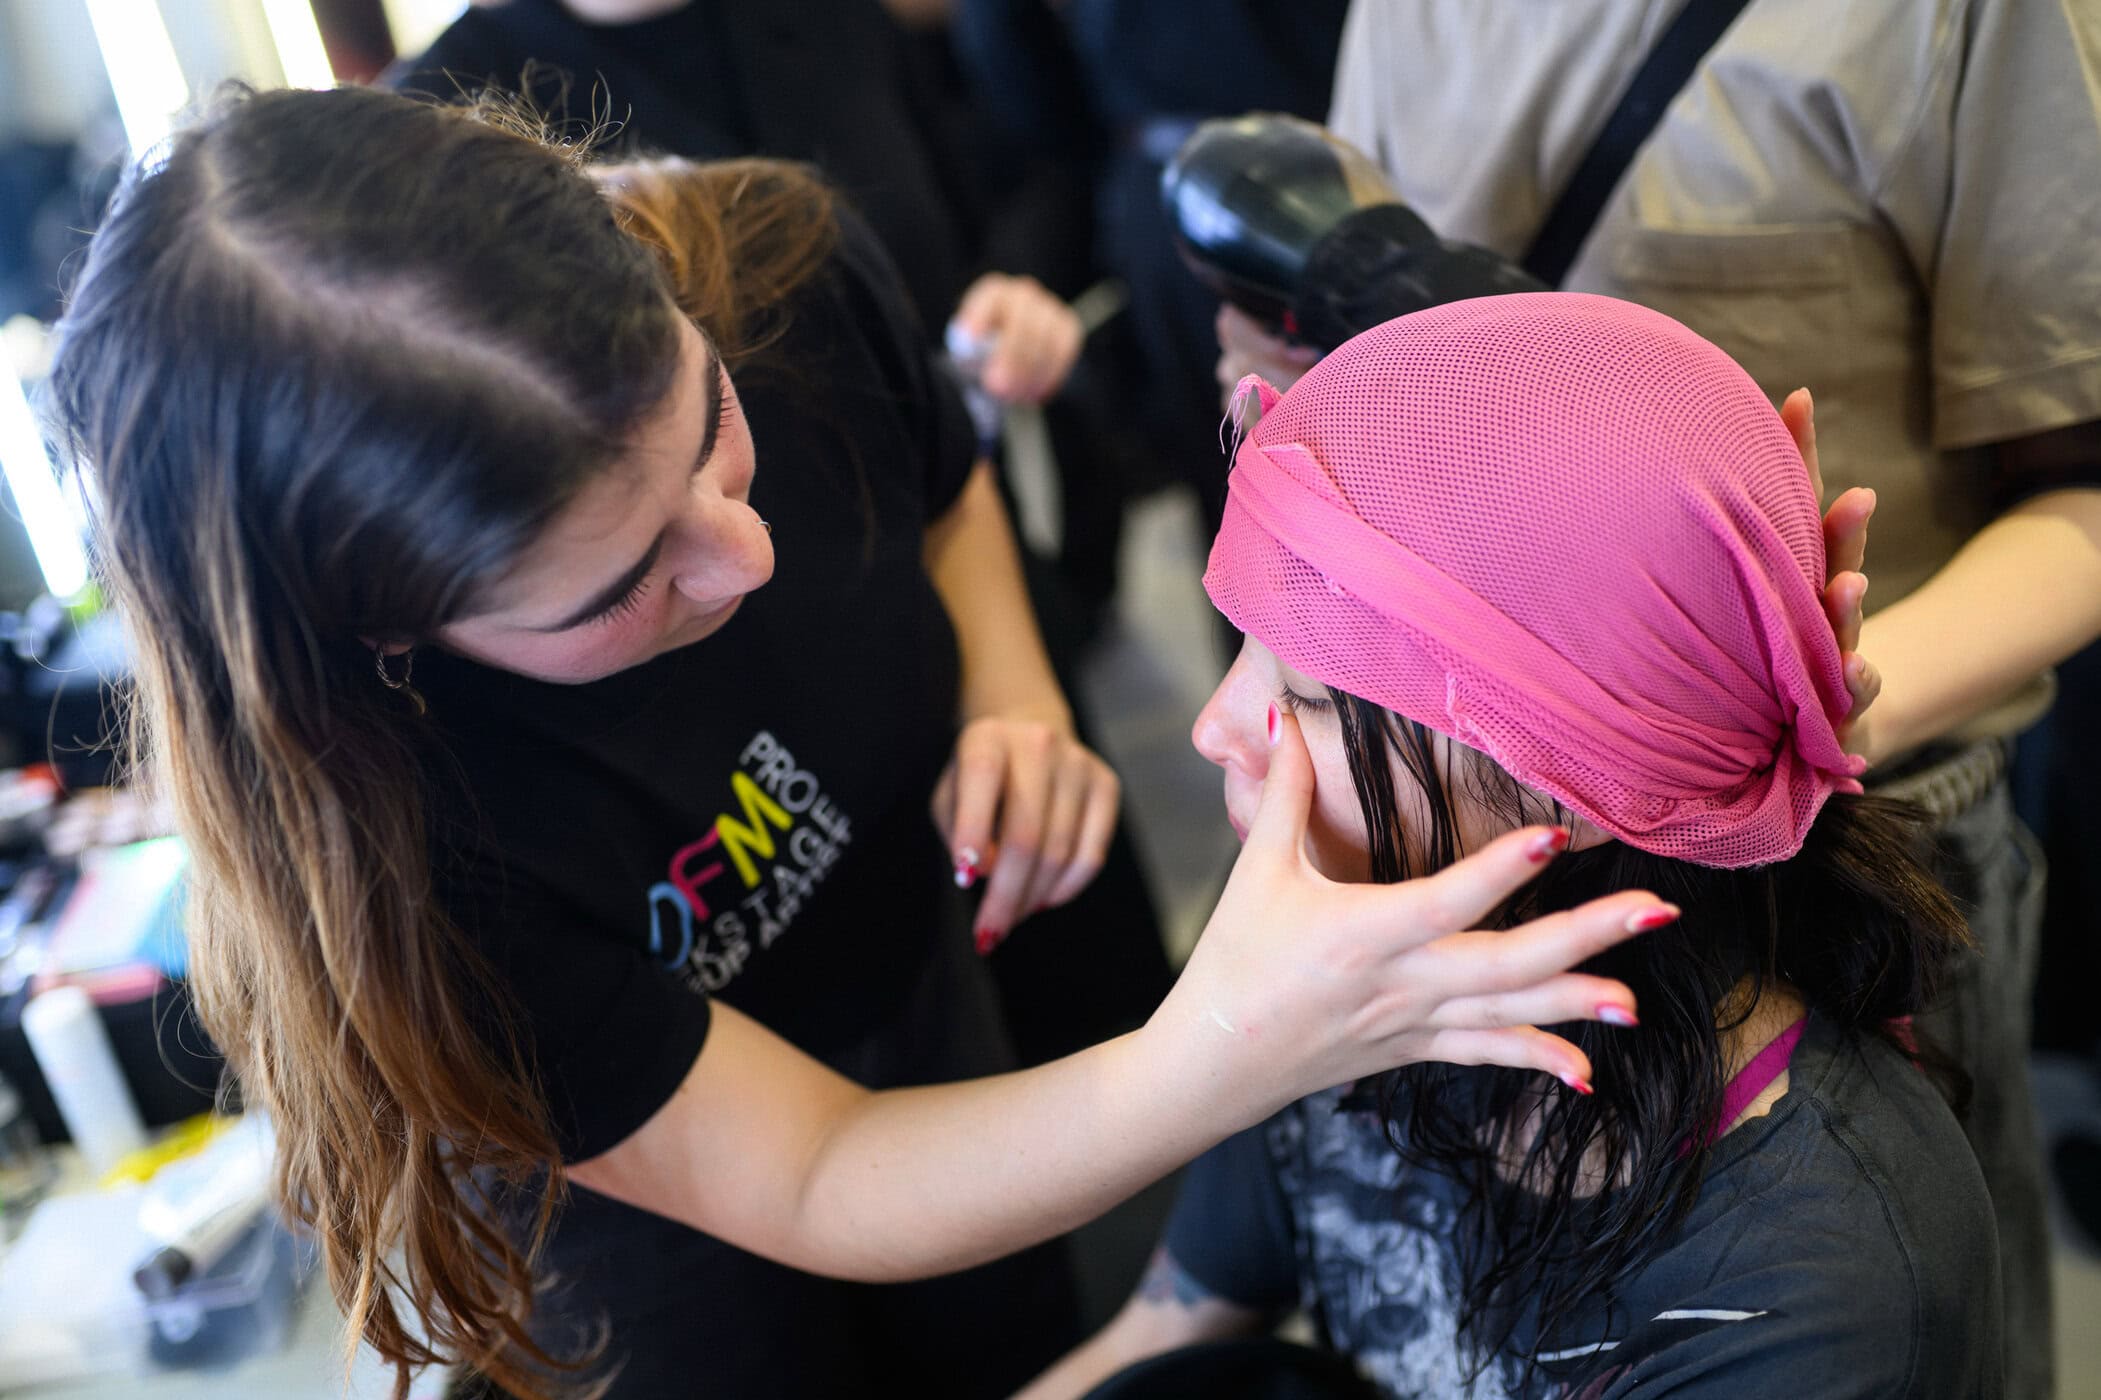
column 142, row 68
column 300, row 51
column 29, row 475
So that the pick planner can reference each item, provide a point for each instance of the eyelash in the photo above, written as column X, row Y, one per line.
column 629, row 601
column 632, row 599
column 1298, row 704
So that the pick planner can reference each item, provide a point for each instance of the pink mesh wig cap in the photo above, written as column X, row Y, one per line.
column 1567, row 532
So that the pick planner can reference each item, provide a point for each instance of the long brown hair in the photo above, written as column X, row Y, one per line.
column 333, row 361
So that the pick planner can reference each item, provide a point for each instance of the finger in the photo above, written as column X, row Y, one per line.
column 1798, row 412
column 1097, row 830
column 1518, row 1047
column 1845, row 600
column 1571, row 996
column 979, row 312
column 1012, row 369
column 1462, row 894
column 1846, row 530
column 1022, row 810
column 943, row 806
column 1508, row 960
column 1286, row 802
column 1061, row 832
column 980, row 767
column 1020, row 361
column 1863, row 683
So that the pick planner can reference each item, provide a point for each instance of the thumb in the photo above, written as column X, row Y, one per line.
column 1287, row 791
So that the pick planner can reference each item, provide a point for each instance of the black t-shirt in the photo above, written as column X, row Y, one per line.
column 1841, row 1246
column 745, row 817
column 831, row 82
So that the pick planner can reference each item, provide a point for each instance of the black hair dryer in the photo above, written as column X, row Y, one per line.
column 1302, row 232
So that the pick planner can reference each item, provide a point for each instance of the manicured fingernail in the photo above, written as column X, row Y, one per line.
column 1617, row 1016
column 1547, row 845
column 1655, row 917
column 967, row 871
column 1276, row 724
column 988, row 939
column 1581, row 1086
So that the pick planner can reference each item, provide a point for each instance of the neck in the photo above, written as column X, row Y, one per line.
column 1778, row 1008
column 1752, row 1027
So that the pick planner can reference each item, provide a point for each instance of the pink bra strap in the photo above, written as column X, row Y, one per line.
column 1755, row 1078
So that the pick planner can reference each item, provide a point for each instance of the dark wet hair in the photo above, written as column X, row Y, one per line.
column 1856, row 923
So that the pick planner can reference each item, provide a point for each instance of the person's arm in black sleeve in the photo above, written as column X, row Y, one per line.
column 606, row 1028
column 1226, row 1268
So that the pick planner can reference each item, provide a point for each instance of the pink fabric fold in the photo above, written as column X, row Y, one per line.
column 1567, row 532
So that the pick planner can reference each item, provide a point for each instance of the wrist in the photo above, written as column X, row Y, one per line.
column 1033, row 706
column 1207, row 1068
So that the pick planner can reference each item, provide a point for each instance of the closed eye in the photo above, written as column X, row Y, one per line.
column 1298, row 704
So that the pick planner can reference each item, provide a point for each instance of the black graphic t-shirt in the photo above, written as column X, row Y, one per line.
column 745, row 817
column 1841, row 1246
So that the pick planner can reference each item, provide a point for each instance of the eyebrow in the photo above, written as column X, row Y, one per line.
column 607, row 598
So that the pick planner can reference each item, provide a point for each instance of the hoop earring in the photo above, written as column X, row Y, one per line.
column 408, row 669
column 768, row 524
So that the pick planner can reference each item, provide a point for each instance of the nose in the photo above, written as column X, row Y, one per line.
column 1231, row 728
column 717, row 549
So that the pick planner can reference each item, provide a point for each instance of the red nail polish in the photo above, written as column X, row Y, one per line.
column 988, row 939
column 966, row 875
column 1580, row 1086
column 1547, row 845
column 1617, row 1016
column 1276, row 724
column 1653, row 918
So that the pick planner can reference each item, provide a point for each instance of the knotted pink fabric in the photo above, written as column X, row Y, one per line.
column 1567, row 532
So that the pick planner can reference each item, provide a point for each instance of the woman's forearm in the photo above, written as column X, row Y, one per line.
column 976, row 567
column 1025, row 1157
column 766, row 1148
column 2023, row 594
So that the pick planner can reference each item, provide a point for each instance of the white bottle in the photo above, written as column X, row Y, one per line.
column 65, row 1031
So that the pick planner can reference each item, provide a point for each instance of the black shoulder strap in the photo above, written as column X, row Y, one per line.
column 1663, row 74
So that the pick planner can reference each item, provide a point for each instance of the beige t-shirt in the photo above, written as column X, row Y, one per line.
column 1894, row 202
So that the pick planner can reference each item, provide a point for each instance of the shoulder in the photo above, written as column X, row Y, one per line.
column 475, row 50
column 1851, row 1232
column 862, row 287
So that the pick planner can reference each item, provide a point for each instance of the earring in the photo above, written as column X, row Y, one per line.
column 768, row 524
column 408, row 669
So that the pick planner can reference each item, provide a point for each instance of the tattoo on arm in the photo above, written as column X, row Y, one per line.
column 1166, row 1281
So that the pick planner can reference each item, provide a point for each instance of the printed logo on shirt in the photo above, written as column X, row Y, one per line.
column 732, row 894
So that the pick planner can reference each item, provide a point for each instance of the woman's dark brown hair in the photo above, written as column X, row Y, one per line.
column 333, row 361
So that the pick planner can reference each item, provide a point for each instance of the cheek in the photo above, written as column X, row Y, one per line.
column 1335, row 831
column 572, row 659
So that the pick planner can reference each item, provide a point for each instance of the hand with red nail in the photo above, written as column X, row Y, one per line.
column 1845, row 587
column 1300, row 982
column 1028, row 810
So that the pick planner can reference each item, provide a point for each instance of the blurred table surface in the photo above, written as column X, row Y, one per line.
column 309, row 1366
